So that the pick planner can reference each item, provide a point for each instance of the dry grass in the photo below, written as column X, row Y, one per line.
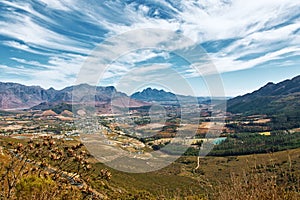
column 263, row 182
column 259, row 186
column 265, row 176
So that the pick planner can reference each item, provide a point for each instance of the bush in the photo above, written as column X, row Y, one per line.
column 48, row 168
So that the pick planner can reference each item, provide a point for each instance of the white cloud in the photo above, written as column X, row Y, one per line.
column 16, row 45
column 252, row 23
column 24, row 28
column 212, row 20
column 58, row 4
column 260, row 27
column 58, row 72
column 33, row 63
column 25, row 6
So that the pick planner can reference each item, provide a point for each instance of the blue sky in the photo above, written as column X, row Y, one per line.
column 250, row 43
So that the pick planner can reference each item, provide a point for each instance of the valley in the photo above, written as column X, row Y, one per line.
column 212, row 149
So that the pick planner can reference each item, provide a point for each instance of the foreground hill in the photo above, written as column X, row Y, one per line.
column 233, row 177
column 280, row 98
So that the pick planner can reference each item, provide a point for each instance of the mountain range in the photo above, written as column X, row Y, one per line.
column 271, row 98
column 17, row 96
column 161, row 96
column 14, row 95
column 150, row 94
column 283, row 97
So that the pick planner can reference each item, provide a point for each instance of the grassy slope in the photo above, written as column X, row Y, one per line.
column 180, row 178
column 167, row 181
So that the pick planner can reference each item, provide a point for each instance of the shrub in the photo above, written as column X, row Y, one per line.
column 48, row 168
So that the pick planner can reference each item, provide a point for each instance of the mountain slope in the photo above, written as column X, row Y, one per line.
column 13, row 95
column 271, row 99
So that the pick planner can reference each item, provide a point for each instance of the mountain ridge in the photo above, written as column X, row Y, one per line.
column 281, row 97
column 18, row 96
column 155, row 95
column 271, row 98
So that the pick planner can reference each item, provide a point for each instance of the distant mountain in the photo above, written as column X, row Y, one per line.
column 17, row 96
column 85, row 92
column 150, row 94
column 13, row 95
column 270, row 99
column 155, row 95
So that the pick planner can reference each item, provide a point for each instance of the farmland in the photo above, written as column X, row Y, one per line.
column 236, row 155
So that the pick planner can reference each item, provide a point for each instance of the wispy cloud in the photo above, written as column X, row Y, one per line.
column 57, row 36
column 58, row 4
column 17, row 45
column 24, row 29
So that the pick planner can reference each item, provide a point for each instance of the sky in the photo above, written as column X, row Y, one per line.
column 170, row 44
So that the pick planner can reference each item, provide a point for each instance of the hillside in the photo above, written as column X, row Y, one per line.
column 280, row 98
column 13, row 95
column 236, row 177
